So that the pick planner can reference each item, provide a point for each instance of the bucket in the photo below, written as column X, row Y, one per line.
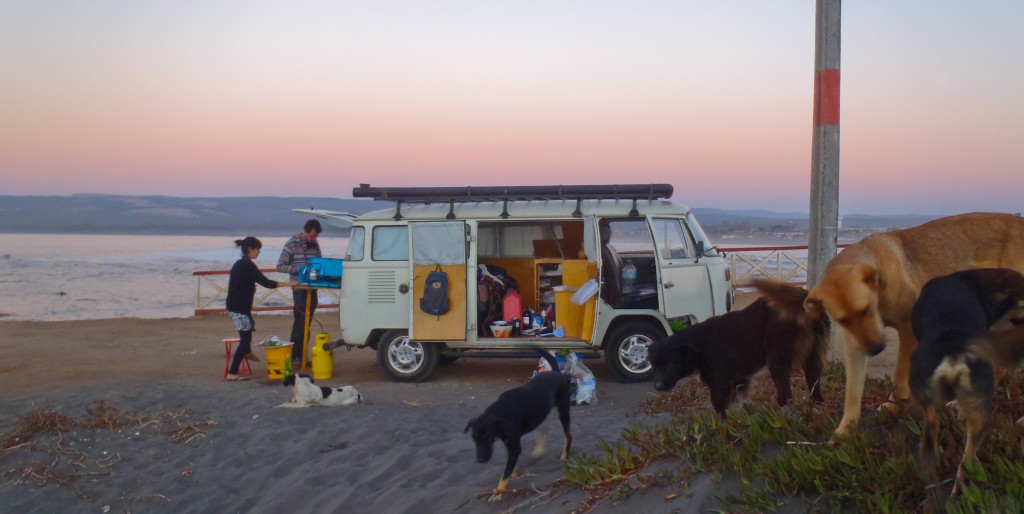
column 279, row 361
column 323, row 360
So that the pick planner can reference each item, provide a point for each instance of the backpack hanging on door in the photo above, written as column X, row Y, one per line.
column 435, row 293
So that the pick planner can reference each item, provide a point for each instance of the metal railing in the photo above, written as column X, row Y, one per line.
column 212, row 289
column 779, row 263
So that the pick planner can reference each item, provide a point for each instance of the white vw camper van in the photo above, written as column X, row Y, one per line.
column 514, row 259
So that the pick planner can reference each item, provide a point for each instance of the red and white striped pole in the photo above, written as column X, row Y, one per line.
column 824, row 222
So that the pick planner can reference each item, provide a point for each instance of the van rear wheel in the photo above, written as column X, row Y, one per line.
column 625, row 351
column 405, row 360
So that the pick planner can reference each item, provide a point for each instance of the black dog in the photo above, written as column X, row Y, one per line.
column 518, row 412
column 727, row 350
column 952, row 320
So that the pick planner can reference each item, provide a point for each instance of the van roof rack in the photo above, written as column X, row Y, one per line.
column 502, row 193
column 505, row 194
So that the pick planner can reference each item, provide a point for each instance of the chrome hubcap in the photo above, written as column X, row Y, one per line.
column 633, row 354
column 405, row 356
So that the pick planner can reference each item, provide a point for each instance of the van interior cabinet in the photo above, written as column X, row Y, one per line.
column 534, row 275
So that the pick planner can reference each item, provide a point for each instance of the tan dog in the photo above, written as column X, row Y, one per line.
column 874, row 283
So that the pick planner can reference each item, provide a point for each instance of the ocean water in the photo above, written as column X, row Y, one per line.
column 73, row 277
column 76, row 277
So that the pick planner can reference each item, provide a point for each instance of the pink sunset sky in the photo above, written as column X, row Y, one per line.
column 218, row 98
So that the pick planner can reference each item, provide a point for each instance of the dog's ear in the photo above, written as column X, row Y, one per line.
column 469, row 425
column 812, row 305
column 869, row 275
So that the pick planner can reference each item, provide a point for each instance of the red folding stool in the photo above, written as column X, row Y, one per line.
column 243, row 368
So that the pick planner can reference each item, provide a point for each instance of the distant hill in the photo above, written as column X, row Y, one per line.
column 273, row 216
column 717, row 219
column 165, row 215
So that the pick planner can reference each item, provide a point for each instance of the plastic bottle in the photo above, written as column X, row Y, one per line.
column 628, row 278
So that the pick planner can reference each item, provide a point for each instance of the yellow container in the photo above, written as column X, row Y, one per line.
column 279, row 361
column 323, row 360
column 567, row 314
column 587, row 320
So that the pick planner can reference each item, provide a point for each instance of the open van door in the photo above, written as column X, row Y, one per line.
column 438, row 246
column 685, row 281
column 338, row 219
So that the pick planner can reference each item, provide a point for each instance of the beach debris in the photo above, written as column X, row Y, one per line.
column 415, row 403
column 106, row 508
column 187, row 472
column 55, row 435
column 188, row 433
column 39, row 421
column 332, row 447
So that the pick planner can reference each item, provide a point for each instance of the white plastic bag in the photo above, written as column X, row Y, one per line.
column 586, row 384
column 582, row 377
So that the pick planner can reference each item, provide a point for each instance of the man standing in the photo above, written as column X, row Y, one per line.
column 296, row 253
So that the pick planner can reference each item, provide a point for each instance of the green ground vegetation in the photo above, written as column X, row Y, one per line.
column 785, row 459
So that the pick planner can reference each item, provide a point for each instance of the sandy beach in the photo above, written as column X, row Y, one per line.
column 196, row 443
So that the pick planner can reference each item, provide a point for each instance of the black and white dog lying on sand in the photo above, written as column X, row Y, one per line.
column 307, row 394
column 518, row 412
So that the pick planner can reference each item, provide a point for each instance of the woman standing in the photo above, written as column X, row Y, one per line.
column 241, row 290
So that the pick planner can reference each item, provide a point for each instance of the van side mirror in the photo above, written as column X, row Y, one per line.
column 700, row 251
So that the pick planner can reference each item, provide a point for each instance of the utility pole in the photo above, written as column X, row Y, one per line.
column 824, row 223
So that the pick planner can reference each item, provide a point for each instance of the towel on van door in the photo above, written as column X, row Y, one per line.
column 435, row 293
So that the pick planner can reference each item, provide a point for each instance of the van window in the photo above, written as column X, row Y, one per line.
column 390, row 243
column 356, row 240
column 530, row 239
column 672, row 240
column 628, row 236
column 511, row 239
column 699, row 235
column 439, row 243
column 626, row 245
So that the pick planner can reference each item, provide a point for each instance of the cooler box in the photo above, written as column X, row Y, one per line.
column 328, row 272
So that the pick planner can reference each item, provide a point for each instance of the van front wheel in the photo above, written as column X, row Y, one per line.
column 405, row 360
column 625, row 351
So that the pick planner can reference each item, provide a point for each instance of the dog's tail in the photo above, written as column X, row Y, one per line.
column 786, row 299
column 546, row 355
column 1002, row 348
